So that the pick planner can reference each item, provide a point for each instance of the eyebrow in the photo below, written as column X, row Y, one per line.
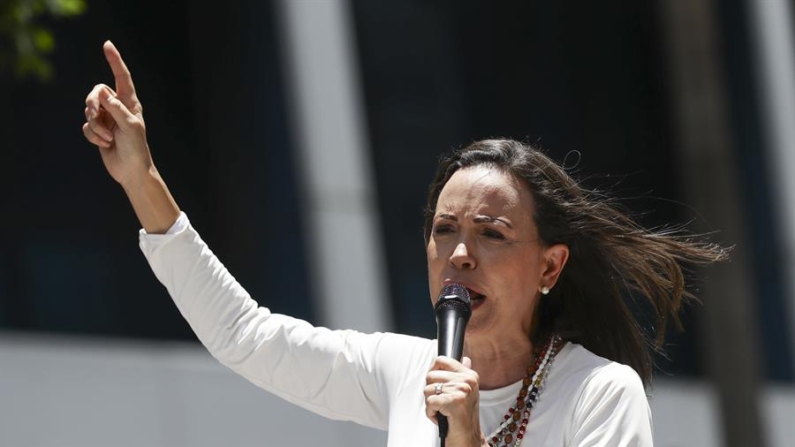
column 477, row 219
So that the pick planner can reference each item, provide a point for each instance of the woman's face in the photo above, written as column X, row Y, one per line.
column 484, row 237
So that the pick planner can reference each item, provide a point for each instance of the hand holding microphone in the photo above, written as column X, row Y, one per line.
column 451, row 386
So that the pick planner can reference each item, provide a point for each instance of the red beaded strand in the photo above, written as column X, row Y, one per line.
column 511, row 432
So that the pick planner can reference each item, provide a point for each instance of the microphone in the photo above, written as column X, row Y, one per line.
column 452, row 315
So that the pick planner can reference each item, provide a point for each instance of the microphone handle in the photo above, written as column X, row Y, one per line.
column 452, row 325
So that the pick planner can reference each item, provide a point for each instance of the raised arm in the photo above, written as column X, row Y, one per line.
column 115, row 124
column 337, row 374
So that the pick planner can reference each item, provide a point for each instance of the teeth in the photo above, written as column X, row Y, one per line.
column 474, row 295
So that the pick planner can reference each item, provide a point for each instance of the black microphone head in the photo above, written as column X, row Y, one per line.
column 453, row 296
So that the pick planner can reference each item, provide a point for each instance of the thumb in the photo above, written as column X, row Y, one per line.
column 467, row 362
column 120, row 113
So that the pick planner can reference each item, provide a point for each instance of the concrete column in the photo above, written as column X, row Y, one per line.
column 710, row 181
column 329, row 128
column 772, row 38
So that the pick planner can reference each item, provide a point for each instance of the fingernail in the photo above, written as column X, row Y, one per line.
column 92, row 113
column 107, row 135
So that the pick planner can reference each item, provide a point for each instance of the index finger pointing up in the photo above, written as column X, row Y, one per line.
column 124, row 84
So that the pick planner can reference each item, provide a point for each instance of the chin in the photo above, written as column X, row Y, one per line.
column 475, row 331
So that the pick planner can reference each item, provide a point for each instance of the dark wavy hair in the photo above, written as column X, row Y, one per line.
column 612, row 259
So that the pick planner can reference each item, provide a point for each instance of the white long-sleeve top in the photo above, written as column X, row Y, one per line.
column 377, row 379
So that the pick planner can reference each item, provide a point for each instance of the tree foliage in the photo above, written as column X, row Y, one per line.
column 24, row 41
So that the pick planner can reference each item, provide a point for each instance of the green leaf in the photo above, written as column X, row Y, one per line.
column 66, row 8
column 34, row 64
column 43, row 40
column 29, row 43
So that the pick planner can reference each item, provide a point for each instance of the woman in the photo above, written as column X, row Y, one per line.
column 545, row 262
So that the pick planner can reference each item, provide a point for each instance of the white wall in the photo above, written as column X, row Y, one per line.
column 82, row 392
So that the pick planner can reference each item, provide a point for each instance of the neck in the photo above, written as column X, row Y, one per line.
column 499, row 364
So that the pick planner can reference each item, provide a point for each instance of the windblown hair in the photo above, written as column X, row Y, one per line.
column 612, row 259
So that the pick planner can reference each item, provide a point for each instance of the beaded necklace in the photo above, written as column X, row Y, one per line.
column 511, row 431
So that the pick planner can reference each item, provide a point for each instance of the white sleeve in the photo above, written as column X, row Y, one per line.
column 612, row 410
column 338, row 374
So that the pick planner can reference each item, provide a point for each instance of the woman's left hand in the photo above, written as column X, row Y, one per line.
column 457, row 398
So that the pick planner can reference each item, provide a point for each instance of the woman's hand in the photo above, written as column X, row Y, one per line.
column 458, row 399
column 115, row 123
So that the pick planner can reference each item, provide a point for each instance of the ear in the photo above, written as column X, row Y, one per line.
column 554, row 259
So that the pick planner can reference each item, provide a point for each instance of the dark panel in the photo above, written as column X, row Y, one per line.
column 209, row 79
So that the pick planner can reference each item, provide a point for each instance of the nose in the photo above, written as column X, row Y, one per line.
column 462, row 257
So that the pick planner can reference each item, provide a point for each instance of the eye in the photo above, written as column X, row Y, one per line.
column 493, row 234
column 443, row 229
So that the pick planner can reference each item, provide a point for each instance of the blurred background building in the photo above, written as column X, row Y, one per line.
column 300, row 138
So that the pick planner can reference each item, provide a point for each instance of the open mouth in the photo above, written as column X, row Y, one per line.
column 476, row 298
